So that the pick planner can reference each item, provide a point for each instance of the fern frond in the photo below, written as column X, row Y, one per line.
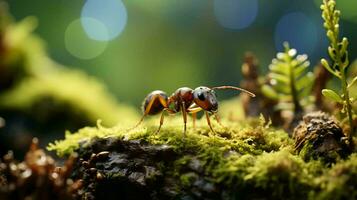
column 289, row 79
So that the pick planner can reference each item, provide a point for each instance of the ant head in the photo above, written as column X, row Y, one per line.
column 205, row 98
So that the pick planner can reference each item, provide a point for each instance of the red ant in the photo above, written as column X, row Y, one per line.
column 185, row 100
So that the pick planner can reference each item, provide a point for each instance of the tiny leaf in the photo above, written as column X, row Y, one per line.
column 269, row 92
column 279, row 77
column 332, row 95
column 327, row 66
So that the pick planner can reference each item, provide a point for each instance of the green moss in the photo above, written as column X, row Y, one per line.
column 281, row 173
column 234, row 169
column 24, row 53
column 278, row 175
column 31, row 83
column 249, row 160
column 188, row 178
column 73, row 89
column 223, row 157
column 241, row 138
column 306, row 151
column 340, row 181
column 20, row 50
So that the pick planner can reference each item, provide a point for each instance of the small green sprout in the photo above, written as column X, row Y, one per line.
column 289, row 80
column 340, row 62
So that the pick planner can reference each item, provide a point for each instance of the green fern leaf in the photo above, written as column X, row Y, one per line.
column 269, row 92
column 289, row 79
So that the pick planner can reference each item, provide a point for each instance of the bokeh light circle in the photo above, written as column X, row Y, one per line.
column 235, row 14
column 79, row 44
column 298, row 30
column 111, row 13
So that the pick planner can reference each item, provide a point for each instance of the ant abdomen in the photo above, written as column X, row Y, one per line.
column 158, row 99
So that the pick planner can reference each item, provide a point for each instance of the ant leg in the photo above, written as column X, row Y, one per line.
column 194, row 111
column 148, row 108
column 141, row 120
column 209, row 122
column 216, row 116
column 161, row 121
column 194, row 116
column 184, row 114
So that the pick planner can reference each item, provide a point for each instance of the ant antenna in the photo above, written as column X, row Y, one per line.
column 234, row 88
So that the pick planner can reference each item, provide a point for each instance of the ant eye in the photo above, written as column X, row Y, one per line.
column 201, row 96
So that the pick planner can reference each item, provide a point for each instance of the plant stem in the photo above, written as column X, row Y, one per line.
column 347, row 102
column 339, row 64
column 339, row 56
column 294, row 93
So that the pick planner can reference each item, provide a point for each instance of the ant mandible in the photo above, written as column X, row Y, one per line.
column 185, row 100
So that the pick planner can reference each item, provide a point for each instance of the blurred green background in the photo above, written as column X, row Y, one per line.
column 137, row 46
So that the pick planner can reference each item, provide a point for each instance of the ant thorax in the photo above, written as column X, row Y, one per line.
column 182, row 98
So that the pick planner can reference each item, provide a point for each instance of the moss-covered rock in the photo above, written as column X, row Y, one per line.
column 76, row 94
column 319, row 136
column 244, row 161
column 234, row 163
column 41, row 81
column 21, row 51
column 40, row 98
column 244, row 138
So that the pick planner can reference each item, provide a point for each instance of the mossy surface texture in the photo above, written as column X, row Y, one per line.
column 42, row 98
column 244, row 161
column 39, row 85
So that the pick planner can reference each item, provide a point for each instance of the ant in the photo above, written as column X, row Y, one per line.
column 185, row 100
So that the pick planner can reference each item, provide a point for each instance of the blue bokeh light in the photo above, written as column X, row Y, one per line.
column 235, row 14
column 297, row 29
column 113, row 15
